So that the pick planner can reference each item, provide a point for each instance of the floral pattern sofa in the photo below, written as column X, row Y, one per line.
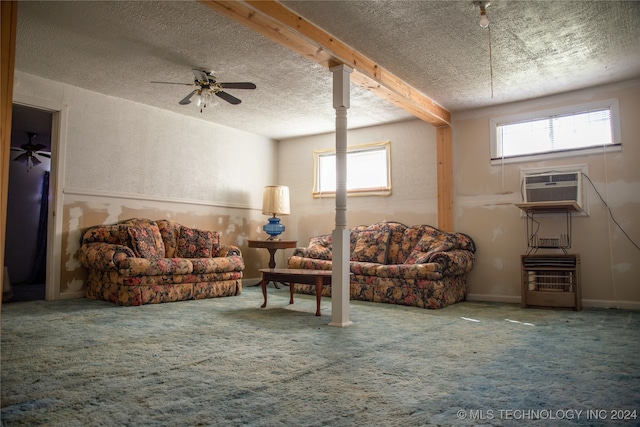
column 139, row 261
column 397, row 264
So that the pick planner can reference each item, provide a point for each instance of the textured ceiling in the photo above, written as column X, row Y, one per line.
column 537, row 48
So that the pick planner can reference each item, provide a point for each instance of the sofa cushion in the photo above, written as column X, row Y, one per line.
column 145, row 223
column 217, row 264
column 309, row 263
column 396, row 238
column 169, row 231
column 353, row 236
column 410, row 238
column 364, row 268
column 143, row 242
column 194, row 243
column 154, row 267
column 430, row 271
column 371, row 246
column 320, row 247
column 428, row 245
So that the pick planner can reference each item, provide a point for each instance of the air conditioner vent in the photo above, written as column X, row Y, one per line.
column 553, row 187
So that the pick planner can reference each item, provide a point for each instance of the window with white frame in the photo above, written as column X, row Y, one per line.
column 570, row 131
column 368, row 170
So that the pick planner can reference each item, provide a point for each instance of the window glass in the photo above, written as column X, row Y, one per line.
column 557, row 132
column 368, row 170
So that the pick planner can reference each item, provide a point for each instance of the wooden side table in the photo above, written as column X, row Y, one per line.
column 272, row 246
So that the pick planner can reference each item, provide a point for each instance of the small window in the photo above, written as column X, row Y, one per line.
column 368, row 170
column 560, row 133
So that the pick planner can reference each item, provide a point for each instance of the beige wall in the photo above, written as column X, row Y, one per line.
column 118, row 159
column 413, row 179
column 121, row 159
column 485, row 196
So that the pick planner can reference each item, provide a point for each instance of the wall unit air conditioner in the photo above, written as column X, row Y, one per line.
column 553, row 187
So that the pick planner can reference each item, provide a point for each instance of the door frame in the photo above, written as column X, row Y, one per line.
column 56, row 181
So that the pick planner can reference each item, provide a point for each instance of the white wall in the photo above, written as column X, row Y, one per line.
column 123, row 159
column 485, row 196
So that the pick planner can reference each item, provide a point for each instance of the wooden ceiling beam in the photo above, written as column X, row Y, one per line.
column 276, row 22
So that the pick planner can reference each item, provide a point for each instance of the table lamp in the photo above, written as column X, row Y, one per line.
column 275, row 201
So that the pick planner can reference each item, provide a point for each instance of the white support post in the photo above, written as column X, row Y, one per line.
column 341, row 253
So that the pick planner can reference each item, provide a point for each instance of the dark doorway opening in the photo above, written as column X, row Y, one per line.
column 27, row 204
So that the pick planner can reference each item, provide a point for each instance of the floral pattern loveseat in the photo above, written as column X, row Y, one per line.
column 139, row 261
column 393, row 263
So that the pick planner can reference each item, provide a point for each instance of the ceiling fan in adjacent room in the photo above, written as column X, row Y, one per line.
column 207, row 85
column 30, row 151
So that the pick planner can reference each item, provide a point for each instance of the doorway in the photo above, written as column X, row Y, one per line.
column 28, row 203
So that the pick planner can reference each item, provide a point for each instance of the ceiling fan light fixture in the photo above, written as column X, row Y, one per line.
column 205, row 97
column 200, row 99
column 210, row 90
column 29, row 151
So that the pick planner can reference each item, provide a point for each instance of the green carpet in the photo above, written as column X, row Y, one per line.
column 227, row 362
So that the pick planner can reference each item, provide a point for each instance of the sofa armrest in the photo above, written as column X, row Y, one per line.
column 454, row 262
column 300, row 251
column 103, row 256
column 228, row 250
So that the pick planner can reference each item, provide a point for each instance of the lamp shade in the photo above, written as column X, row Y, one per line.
column 275, row 200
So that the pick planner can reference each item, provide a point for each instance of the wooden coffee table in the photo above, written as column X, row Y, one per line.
column 295, row 275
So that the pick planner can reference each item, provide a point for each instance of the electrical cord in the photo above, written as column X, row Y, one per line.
column 601, row 199
column 610, row 212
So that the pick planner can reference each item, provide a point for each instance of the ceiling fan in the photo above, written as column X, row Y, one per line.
column 208, row 85
column 30, row 151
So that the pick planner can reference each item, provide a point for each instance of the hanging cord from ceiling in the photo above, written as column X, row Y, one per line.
column 490, row 62
column 484, row 23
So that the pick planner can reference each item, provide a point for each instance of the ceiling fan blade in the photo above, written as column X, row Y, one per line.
column 229, row 98
column 187, row 99
column 17, row 149
column 44, row 154
column 238, row 85
column 37, row 147
column 200, row 75
column 173, row 83
column 22, row 158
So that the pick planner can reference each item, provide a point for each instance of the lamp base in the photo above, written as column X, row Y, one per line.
column 273, row 228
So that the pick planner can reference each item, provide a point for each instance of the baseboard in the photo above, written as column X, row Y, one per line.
column 622, row 305
column 494, row 298
column 586, row 303
column 71, row 295
column 251, row 282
